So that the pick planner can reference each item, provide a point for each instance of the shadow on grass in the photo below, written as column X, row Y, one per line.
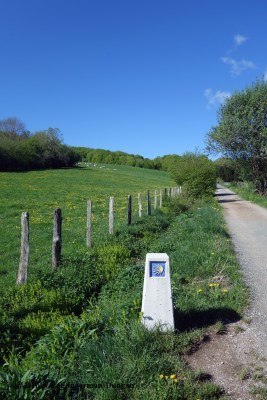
column 201, row 319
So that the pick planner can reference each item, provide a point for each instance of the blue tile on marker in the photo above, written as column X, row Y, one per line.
column 157, row 269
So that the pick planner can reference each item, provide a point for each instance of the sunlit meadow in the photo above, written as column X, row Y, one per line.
column 40, row 192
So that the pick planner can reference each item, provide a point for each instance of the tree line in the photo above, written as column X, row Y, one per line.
column 116, row 157
column 22, row 150
column 165, row 163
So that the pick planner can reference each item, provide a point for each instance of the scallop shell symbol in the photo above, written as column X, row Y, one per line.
column 159, row 270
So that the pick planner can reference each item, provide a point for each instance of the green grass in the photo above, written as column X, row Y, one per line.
column 246, row 191
column 40, row 192
column 103, row 342
column 80, row 325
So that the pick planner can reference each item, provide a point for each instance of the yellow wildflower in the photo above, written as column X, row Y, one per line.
column 172, row 376
column 161, row 376
column 225, row 290
column 200, row 290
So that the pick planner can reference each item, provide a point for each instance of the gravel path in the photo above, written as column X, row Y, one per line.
column 237, row 360
column 247, row 224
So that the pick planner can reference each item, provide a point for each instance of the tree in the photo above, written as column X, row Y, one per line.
column 241, row 133
column 14, row 127
column 227, row 169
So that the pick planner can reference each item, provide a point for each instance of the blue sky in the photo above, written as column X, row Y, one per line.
column 145, row 77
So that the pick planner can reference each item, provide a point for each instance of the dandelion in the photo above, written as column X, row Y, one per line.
column 161, row 376
column 214, row 284
column 200, row 290
column 225, row 290
column 175, row 380
column 212, row 253
column 173, row 376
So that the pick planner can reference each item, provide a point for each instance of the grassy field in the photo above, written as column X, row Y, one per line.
column 89, row 310
column 40, row 192
column 69, row 329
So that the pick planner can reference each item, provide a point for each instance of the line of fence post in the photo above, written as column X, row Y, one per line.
column 57, row 227
column 89, row 224
column 57, row 238
column 24, row 249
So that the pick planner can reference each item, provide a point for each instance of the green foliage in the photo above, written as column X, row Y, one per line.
column 196, row 173
column 111, row 258
column 241, row 133
column 180, row 204
column 168, row 162
column 20, row 150
column 227, row 169
column 119, row 158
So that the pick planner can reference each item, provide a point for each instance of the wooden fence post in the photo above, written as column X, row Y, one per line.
column 129, row 210
column 165, row 193
column 24, row 250
column 160, row 198
column 89, row 224
column 57, row 241
column 148, row 203
column 155, row 199
column 111, row 215
column 140, row 209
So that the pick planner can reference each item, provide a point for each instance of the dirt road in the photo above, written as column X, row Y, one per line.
column 247, row 224
column 237, row 361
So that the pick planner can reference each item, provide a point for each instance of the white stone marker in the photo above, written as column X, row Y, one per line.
column 157, row 306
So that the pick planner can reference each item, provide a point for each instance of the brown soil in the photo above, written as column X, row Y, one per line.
column 232, row 361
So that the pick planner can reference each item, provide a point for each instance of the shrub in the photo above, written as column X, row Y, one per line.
column 196, row 173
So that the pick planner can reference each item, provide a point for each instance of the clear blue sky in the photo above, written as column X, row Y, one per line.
column 141, row 76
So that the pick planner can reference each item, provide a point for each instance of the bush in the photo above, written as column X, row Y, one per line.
column 228, row 170
column 196, row 173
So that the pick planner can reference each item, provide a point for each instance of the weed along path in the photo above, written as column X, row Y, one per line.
column 237, row 360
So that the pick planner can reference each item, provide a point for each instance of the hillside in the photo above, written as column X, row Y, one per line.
column 40, row 192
